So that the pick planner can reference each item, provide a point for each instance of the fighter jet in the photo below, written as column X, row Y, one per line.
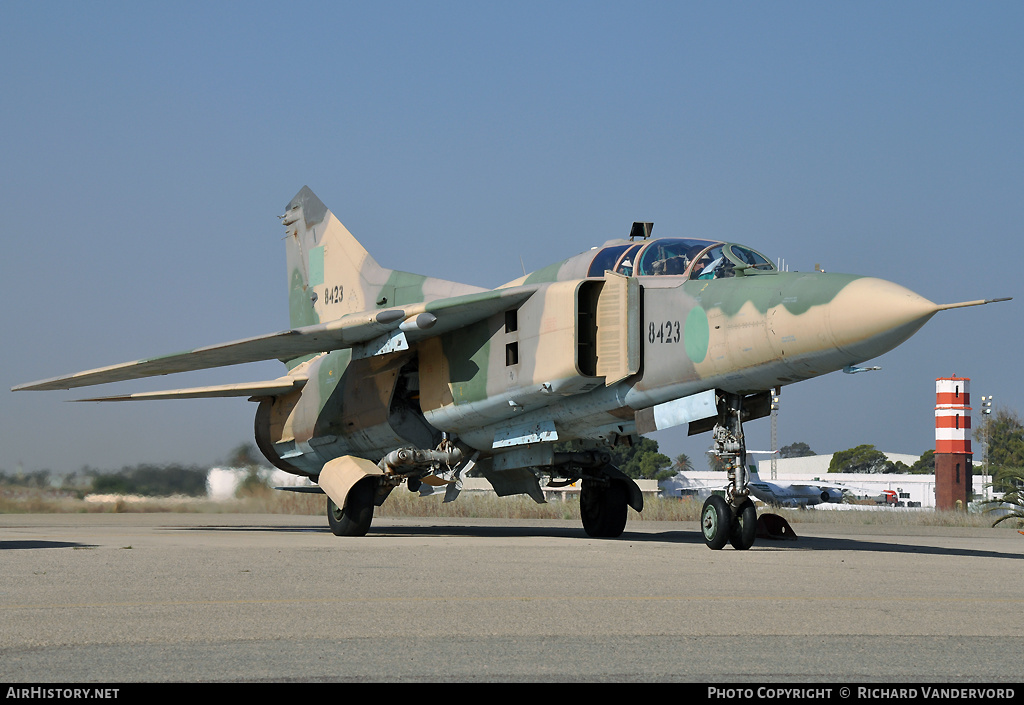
column 393, row 378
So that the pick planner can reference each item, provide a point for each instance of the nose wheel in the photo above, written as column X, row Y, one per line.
column 721, row 523
column 715, row 520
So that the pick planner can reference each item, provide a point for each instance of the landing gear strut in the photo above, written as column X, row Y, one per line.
column 733, row 518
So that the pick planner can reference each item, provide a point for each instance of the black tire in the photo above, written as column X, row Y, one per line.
column 716, row 522
column 615, row 510
column 355, row 518
column 591, row 507
column 744, row 526
column 603, row 508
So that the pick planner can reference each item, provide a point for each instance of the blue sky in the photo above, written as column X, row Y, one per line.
column 147, row 149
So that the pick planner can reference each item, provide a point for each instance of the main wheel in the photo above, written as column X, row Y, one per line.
column 592, row 507
column 354, row 519
column 716, row 521
column 615, row 509
column 603, row 508
column 744, row 526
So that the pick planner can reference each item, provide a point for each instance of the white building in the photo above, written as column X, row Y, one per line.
column 912, row 490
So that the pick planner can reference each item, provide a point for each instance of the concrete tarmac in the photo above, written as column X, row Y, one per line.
column 119, row 598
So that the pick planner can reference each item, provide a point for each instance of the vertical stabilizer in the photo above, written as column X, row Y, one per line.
column 331, row 275
column 329, row 272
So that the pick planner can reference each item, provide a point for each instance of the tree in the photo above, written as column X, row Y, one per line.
column 864, row 459
column 152, row 481
column 796, row 450
column 682, row 463
column 37, row 478
column 1011, row 504
column 925, row 464
column 246, row 457
column 714, row 462
column 642, row 461
column 638, row 461
column 1003, row 434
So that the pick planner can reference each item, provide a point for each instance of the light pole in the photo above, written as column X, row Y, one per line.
column 775, row 428
column 986, row 411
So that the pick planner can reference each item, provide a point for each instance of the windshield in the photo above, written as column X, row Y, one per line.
column 712, row 264
column 669, row 256
column 748, row 256
column 722, row 261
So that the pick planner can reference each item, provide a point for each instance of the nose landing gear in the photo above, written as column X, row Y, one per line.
column 733, row 518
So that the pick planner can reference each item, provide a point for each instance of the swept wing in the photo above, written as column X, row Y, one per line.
column 372, row 329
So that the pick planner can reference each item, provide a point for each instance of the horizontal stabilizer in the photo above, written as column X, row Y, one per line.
column 346, row 332
column 271, row 388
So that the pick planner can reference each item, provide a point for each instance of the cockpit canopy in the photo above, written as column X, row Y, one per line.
column 698, row 259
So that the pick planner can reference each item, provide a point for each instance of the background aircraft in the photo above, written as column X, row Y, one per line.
column 793, row 494
column 395, row 378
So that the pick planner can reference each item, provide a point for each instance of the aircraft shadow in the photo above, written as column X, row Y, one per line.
column 695, row 537
column 34, row 543
column 852, row 544
column 674, row 537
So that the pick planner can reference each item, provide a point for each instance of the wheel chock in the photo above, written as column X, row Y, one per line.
column 772, row 526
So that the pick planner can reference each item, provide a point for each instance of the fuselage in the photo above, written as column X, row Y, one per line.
column 604, row 335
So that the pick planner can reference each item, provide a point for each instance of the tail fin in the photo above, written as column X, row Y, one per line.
column 330, row 274
column 322, row 288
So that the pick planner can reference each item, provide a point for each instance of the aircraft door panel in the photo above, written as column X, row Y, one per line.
column 618, row 328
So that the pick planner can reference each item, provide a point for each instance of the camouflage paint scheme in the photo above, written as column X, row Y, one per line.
column 596, row 349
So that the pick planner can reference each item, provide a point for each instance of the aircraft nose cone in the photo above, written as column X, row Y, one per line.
column 869, row 317
column 828, row 321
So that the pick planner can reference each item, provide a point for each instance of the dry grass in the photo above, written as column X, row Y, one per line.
column 887, row 517
column 402, row 503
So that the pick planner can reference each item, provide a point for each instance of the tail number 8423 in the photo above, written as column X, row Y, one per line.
column 667, row 332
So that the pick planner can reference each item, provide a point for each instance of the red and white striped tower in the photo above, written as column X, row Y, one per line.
column 953, row 442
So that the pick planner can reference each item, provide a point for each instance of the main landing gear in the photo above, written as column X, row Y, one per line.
column 355, row 517
column 354, row 486
column 603, row 507
column 733, row 518
column 605, row 491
